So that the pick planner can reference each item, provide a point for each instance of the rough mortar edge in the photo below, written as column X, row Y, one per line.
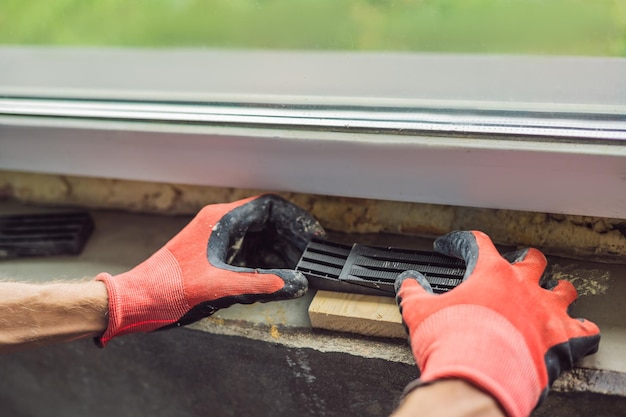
column 600, row 239
column 591, row 380
column 576, row 380
column 299, row 338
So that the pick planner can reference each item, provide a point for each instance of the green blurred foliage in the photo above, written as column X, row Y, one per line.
column 572, row 27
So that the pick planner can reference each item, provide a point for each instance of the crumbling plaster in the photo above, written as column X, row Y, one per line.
column 555, row 233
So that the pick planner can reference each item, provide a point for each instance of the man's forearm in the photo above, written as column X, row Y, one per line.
column 40, row 314
column 449, row 398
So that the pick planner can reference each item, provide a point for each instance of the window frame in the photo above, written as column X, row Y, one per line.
column 513, row 132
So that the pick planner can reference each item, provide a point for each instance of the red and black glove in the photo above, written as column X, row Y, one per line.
column 499, row 329
column 241, row 252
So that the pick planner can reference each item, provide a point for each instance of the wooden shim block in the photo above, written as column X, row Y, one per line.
column 354, row 313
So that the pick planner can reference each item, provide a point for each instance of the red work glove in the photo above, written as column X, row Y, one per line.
column 498, row 330
column 240, row 252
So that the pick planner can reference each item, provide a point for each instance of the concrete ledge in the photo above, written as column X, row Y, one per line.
column 187, row 372
column 192, row 373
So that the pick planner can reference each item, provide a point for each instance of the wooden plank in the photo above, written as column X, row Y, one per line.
column 362, row 314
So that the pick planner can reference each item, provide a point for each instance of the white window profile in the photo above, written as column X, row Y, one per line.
column 515, row 132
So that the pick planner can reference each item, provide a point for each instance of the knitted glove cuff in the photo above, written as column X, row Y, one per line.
column 478, row 345
column 144, row 299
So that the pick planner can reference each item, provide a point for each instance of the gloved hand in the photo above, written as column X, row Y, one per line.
column 242, row 252
column 499, row 329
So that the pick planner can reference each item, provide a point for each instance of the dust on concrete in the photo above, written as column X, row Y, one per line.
column 587, row 281
column 591, row 380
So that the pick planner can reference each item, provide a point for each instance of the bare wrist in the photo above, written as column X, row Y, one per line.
column 39, row 314
column 449, row 398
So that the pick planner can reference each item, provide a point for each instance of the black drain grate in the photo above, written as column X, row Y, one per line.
column 365, row 269
column 44, row 234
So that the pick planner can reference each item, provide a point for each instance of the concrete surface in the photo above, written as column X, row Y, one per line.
column 184, row 373
column 263, row 359
column 192, row 373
